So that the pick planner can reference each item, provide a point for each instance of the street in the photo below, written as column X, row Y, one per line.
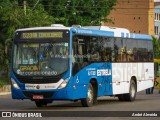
column 144, row 102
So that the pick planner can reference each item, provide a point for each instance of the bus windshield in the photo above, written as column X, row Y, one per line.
column 40, row 59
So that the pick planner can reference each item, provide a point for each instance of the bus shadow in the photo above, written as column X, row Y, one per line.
column 70, row 105
column 73, row 105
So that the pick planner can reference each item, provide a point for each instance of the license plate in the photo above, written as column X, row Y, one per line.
column 37, row 97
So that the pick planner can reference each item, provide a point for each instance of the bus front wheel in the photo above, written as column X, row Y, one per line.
column 88, row 102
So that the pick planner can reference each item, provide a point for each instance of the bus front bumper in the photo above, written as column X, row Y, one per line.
column 58, row 94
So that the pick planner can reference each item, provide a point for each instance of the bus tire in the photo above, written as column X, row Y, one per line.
column 132, row 92
column 88, row 102
column 94, row 95
column 40, row 103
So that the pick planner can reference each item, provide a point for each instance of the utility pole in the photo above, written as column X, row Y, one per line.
column 25, row 6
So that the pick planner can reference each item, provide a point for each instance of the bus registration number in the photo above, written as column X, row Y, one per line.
column 38, row 97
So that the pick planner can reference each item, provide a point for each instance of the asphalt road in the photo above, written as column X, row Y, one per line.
column 106, row 105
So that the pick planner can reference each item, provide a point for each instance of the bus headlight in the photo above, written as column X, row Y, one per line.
column 64, row 83
column 15, row 85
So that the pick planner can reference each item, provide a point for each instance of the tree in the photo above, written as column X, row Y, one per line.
column 83, row 12
column 12, row 17
column 156, row 47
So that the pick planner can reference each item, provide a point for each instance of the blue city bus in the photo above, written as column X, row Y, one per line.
column 80, row 63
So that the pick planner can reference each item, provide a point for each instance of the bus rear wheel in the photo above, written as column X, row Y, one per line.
column 88, row 102
column 132, row 92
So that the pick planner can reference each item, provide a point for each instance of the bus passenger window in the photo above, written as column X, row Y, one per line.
column 130, row 56
column 123, row 54
column 95, row 55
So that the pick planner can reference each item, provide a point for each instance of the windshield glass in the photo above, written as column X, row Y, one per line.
column 40, row 59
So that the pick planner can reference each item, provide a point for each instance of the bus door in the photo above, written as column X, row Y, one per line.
column 79, row 61
column 104, row 46
column 105, row 72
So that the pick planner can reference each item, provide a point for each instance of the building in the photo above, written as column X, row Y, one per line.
column 157, row 20
column 135, row 15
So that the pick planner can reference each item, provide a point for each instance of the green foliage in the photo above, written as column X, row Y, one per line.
column 156, row 47
column 1, row 55
column 1, row 84
column 4, row 81
column 12, row 17
column 83, row 12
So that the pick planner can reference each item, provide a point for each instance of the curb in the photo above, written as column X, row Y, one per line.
column 5, row 93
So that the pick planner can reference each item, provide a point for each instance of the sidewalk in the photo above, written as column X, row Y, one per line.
column 5, row 90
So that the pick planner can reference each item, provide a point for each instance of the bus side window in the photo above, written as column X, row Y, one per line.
column 119, row 50
column 131, row 50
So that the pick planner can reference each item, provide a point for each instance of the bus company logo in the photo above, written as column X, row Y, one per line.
column 103, row 72
column 6, row 114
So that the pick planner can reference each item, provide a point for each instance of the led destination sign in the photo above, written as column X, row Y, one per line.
column 31, row 35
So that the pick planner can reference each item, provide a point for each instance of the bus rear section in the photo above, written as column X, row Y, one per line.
column 115, row 65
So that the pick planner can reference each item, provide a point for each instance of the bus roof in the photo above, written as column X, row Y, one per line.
column 52, row 27
column 119, row 32
column 94, row 30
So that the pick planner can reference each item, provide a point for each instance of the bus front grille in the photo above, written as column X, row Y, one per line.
column 37, row 80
